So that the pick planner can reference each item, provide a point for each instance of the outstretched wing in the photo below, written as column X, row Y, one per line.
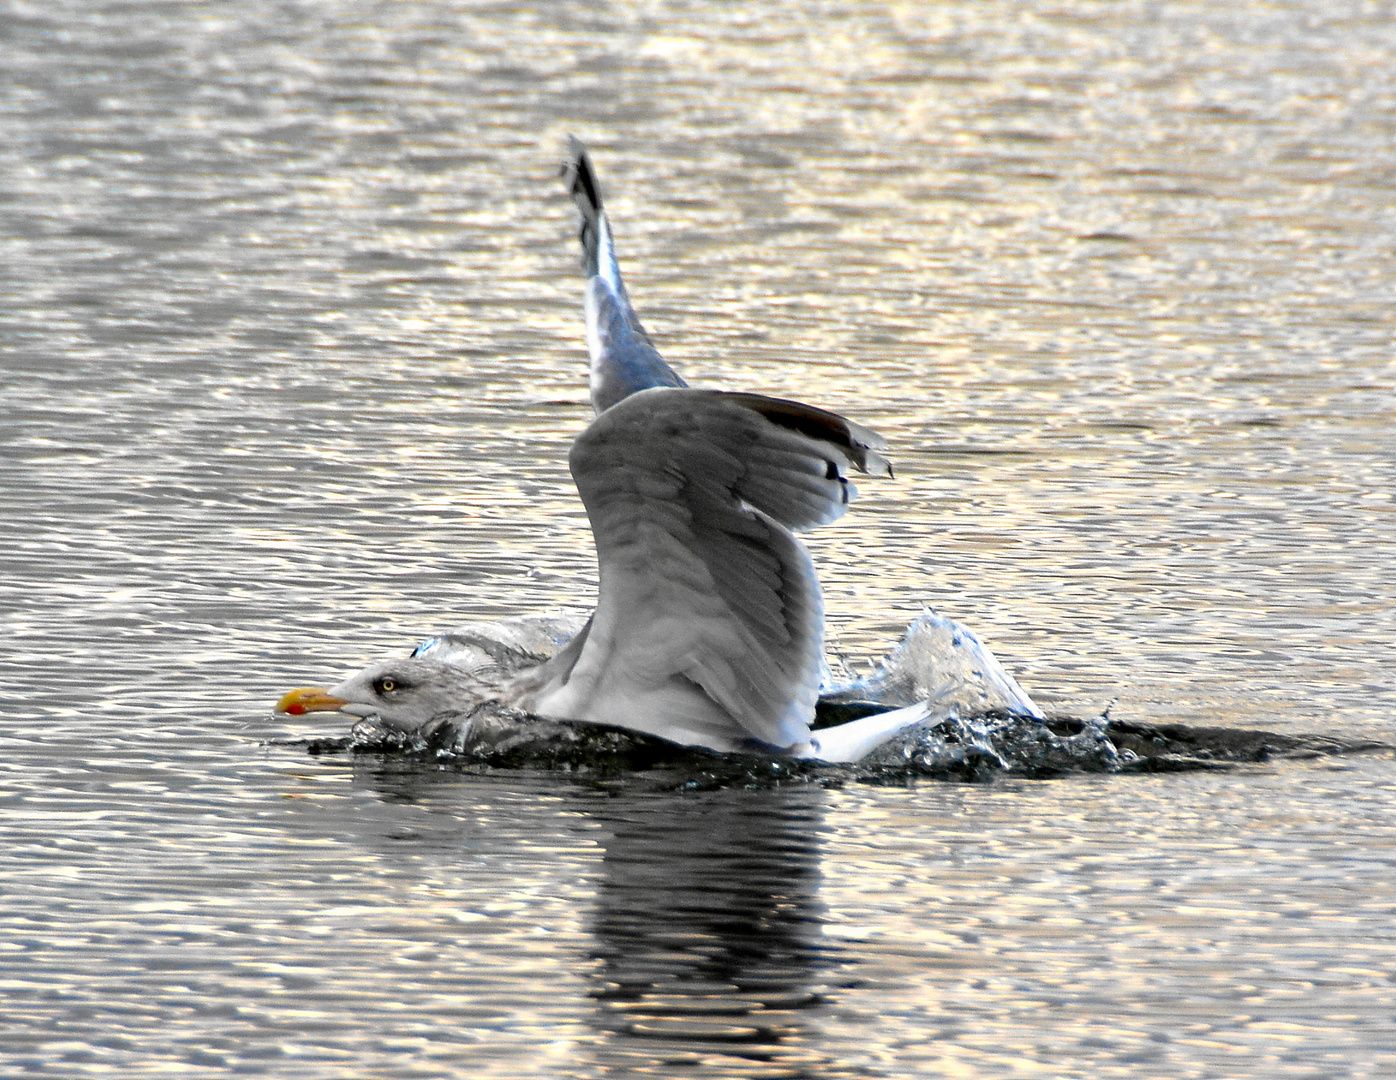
column 709, row 625
column 623, row 359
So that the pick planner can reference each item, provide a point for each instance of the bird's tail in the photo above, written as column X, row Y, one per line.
column 857, row 739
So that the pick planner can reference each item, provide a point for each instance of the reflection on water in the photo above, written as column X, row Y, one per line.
column 292, row 355
column 293, row 917
column 707, row 926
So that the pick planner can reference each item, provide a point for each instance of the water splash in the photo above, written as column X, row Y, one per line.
column 986, row 745
column 981, row 723
column 944, row 663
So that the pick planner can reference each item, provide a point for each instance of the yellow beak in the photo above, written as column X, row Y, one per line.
column 309, row 699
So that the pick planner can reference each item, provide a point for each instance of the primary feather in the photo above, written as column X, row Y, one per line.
column 623, row 359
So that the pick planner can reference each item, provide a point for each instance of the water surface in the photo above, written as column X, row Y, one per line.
column 292, row 355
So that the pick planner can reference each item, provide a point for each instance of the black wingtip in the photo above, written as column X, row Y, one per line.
column 860, row 443
column 580, row 178
column 581, row 184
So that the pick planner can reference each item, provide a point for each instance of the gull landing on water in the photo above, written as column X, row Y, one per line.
column 709, row 625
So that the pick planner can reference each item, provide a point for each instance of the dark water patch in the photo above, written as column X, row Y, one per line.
column 981, row 749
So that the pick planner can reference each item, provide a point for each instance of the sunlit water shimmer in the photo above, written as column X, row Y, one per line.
column 292, row 356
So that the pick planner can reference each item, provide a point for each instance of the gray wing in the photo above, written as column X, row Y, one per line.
column 709, row 625
column 623, row 359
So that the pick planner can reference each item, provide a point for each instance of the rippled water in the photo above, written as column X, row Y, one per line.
column 292, row 355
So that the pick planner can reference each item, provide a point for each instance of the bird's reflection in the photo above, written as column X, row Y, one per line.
column 706, row 923
column 707, row 928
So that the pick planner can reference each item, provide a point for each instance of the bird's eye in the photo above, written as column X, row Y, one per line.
column 385, row 685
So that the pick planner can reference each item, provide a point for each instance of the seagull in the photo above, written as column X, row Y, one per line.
column 709, row 625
